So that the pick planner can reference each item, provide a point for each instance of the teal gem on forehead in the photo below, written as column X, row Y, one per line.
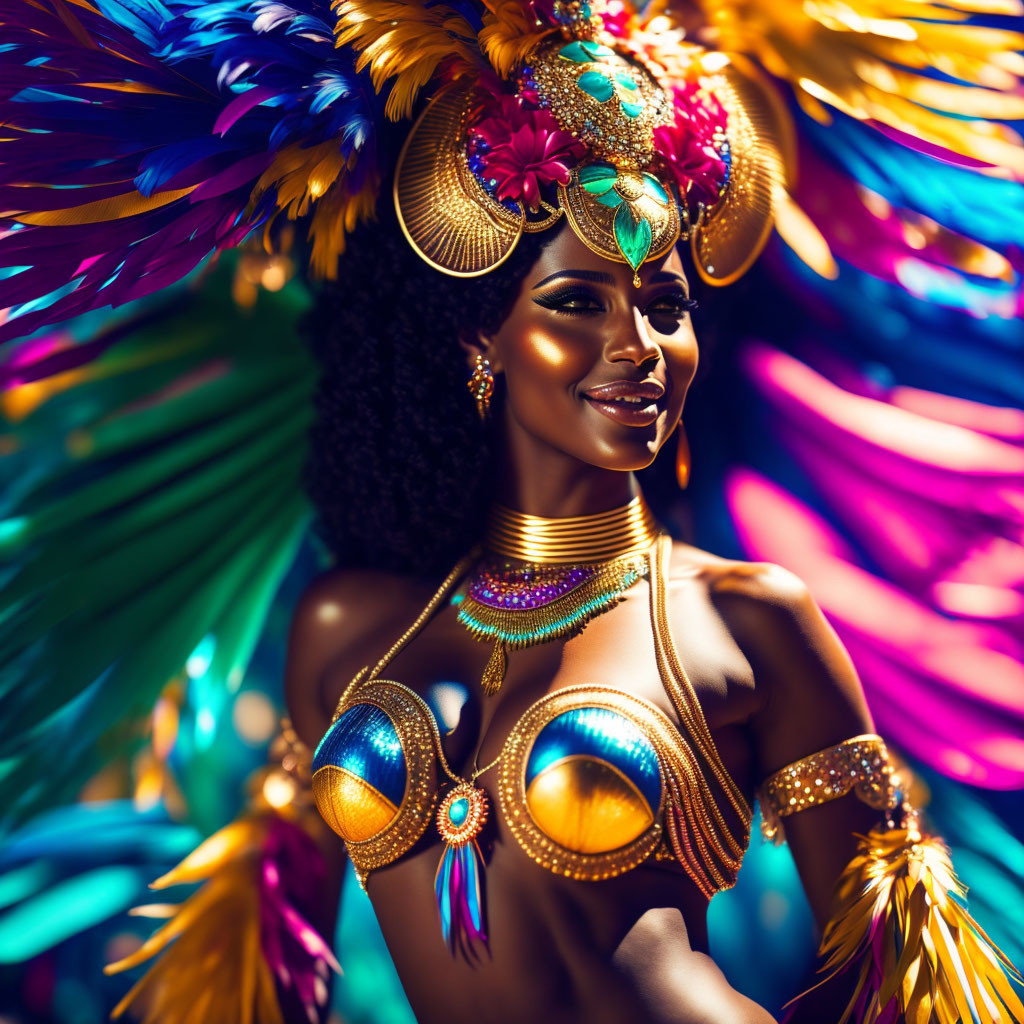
column 593, row 83
column 632, row 235
column 459, row 811
column 583, row 52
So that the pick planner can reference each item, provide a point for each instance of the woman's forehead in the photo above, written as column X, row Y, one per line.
column 565, row 251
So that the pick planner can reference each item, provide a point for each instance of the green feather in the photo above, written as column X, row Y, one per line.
column 156, row 501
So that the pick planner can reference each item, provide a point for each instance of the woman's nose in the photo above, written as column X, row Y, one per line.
column 630, row 340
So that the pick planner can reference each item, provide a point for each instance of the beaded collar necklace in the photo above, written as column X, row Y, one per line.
column 565, row 571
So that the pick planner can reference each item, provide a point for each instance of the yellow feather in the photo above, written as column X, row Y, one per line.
column 405, row 40
column 508, row 35
column 937, row 961
column 870, row 58
column 336, row 216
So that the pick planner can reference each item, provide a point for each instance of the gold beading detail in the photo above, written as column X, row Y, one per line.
column 603, row 127
column 860, row 764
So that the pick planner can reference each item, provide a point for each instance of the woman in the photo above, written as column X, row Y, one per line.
column 564, row 330
column 561, row 327
column 550, row 846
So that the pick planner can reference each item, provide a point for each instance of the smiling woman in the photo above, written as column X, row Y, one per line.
column 583, row 747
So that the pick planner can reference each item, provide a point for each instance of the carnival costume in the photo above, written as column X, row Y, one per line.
column 140, row 137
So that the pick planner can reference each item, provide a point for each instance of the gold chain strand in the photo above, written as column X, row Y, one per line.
column 678, row 682
column 571, row 539
column 699, row 809
column 367, row 676
column 680, row 689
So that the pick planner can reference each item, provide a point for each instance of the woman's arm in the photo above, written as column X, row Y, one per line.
column 895, row 935
column 811, row 698
column 317, row 639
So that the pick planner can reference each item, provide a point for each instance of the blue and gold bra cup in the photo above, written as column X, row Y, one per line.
column 375, row 774
column 581, row 781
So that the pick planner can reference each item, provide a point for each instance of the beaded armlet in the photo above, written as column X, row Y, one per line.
column 240, row 945
column 860, row 764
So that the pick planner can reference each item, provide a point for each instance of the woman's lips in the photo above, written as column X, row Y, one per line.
column 632, row 403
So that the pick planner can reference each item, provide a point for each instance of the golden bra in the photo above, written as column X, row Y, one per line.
column 592, row 781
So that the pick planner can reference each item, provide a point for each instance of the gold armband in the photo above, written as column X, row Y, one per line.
column 860, row 764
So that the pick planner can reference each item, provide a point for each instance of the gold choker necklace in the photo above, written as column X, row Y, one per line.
column 572, row 540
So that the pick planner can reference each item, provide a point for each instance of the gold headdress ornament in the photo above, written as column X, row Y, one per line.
column 635, row 156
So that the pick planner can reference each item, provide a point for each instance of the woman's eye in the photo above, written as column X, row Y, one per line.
column 570, row 301
column 676, row 305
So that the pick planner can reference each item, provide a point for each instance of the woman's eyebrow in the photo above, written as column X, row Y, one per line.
column 594, row 276
column 668, row 277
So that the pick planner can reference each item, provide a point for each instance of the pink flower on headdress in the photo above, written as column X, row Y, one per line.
column 688, row 145
column 525, row 151
column 616, row 19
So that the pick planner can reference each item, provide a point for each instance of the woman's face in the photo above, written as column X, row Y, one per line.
column 593, row 366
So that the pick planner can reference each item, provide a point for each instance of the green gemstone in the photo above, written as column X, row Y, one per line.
column 626, row 82
column 593, row 83
column 632, row 235
column 582, row 52
column 611, row 199
column 654, row 189
column 631, row 109
column 459, row 811
column 598, row 178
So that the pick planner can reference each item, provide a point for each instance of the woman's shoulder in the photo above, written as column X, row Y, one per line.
column 808, row 683
column 343, row 619
column 739, row 587
column 768, row 610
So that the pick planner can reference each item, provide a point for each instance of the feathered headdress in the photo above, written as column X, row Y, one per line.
column 140, row 136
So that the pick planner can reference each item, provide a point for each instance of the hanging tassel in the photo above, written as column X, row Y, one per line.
column 460, row 818
column 918, row 954
column 457, row 888
column 494, row 673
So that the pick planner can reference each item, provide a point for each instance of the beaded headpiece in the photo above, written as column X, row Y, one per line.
column 139, row 138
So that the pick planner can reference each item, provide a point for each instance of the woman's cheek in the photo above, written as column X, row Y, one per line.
column 550, row 360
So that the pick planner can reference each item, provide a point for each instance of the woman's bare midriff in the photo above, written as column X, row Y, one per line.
column 629, row 949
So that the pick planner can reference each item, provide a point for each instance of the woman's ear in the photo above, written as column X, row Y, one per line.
column 478, row 343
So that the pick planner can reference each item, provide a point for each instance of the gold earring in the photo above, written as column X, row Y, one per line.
column 682, row 458
column 481, row 385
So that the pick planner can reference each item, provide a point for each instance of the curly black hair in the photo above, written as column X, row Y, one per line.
column 399, row 467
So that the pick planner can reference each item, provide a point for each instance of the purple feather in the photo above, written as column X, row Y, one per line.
column 201, row 97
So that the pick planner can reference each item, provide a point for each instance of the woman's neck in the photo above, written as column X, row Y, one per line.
column 539, row 480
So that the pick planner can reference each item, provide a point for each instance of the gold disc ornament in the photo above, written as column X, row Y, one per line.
column 729, row 236
column 446, row 214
